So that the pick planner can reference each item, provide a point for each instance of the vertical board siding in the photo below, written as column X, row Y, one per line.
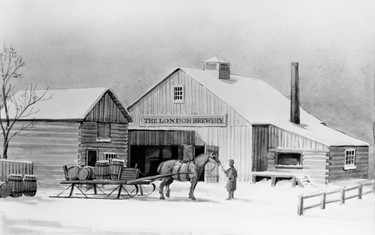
column 106, row 110
column 282, row 139
column 117, row 145
column 8, row 167
column 161, row 137
column 49, row 145
column 234, row 140
column 337, row 161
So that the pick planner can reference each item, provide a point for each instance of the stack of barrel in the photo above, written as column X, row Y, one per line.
column 103, row 170
column 18, row 185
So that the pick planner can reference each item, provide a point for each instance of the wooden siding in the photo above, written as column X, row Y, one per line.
column 260, row 147
column 279, row 138
column 314, row 164
column 337, row 160
column 49, row 145
column 88, row 141
column 234, row 140
column 269, row 139
column 161, row 137
column 106, row 110
column 8, row 167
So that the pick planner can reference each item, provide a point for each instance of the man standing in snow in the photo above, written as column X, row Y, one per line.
column 231, row 173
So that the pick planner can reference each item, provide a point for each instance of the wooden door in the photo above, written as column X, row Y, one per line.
column 92, row 157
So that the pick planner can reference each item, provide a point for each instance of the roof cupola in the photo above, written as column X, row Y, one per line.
column 219, row 64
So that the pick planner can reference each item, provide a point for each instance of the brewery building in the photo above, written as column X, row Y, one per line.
column 192, row 111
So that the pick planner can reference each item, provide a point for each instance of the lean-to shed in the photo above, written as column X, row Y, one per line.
column 74, row 126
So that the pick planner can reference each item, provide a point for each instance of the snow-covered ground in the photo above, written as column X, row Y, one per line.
column 257, row 209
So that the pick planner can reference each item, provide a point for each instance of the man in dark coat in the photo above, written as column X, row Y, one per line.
column 231, row 173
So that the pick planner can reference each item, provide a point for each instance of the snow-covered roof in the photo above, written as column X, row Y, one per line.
column 67, row 104
column 260, row 103
column 216, row 59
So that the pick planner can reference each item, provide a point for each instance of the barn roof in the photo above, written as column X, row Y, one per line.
column 260, row 103
column 68, row 104
column 216, row 59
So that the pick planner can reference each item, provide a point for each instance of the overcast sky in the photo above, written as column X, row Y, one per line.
column 130, row 45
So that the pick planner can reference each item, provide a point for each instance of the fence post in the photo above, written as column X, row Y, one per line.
column 360, row 191
column 323, row 202
column 300, row 205
column 342, row 196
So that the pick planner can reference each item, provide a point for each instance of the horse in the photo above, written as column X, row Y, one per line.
column 190, row 171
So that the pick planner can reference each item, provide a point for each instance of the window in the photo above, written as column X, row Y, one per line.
column 349, row 159
column 288, row 160
column 211, row 66
column 178, row 94
column 104, row 132
column 110, row 156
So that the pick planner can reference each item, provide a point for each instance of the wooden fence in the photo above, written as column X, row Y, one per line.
column 342, row 196
column 8, row 167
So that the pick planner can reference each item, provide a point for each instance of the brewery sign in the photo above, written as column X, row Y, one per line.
column 187, row 120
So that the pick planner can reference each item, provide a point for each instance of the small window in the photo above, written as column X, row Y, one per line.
column 349, row 159
column 288, row 160
column 178, row 94
column 211, row 66
column 104, row 132
column 110, row 156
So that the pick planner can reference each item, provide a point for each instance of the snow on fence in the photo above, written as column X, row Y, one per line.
column 341, row 193
column 8, row 167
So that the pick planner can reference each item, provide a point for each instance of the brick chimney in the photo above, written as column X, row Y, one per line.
column 220, row 65
column 294, row 97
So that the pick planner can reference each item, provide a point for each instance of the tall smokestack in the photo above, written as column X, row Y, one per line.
column 294, row 98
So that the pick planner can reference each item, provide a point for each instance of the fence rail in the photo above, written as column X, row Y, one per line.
column 8, row 167
column 342, row 196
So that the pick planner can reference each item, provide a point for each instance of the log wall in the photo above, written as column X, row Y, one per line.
column 49, row 145
column 88, row 141
column 337, row 161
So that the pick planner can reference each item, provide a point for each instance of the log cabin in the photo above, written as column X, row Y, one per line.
column 73, row 127
column 191, row 111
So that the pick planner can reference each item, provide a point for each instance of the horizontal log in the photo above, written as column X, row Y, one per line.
column 332, row 201
column 350, row 197
column 319, row 194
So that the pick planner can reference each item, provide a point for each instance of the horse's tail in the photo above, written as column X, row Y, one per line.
column 160, row 167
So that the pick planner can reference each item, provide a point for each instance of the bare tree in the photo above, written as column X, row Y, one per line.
column 14, row 108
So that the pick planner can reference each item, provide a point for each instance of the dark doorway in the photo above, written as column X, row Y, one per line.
column 148, row 158
column 92, row 157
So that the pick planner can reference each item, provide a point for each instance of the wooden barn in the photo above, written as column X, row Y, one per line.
column 74, row 126
column 191, row 111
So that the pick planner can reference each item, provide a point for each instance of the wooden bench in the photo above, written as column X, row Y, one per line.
column 274, row 176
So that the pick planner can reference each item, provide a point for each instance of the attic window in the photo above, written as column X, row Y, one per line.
column 349, row 159
column 104, row 132
column 178, row 94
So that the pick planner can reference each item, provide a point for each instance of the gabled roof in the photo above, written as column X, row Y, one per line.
column 68, row 104
column 260, row 103
column 216, row 59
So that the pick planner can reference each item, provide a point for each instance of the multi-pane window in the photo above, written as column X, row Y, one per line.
column 110, row 156
column 178, row 94
column 349, row 159
column 104, row 131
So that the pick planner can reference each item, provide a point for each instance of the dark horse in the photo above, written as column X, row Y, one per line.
column 190, row 171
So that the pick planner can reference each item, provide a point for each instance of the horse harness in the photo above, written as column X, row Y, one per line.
column 179, row 169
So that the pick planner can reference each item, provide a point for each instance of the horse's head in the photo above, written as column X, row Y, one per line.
column 214, row 159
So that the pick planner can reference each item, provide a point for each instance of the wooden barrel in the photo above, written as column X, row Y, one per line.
column 15, row 181
column 73, row 172
column 29, row 185
column 5, row 190
column 86, row 173
column 115, row 167
column 102, row 169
